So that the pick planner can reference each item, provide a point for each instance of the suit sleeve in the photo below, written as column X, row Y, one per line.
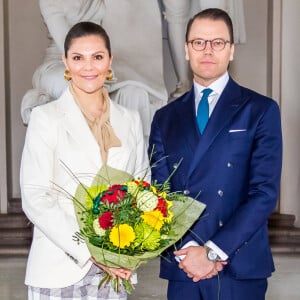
column 39, row 196
column 157, row 154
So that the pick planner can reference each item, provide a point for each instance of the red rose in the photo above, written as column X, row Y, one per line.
column 145, row 184
column 114, row 194
column 162, row 207
column 106, row 220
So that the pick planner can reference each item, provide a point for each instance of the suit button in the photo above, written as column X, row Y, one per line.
column 220, row 223
column 220, row 193
column 229, row 165
column 186, row 192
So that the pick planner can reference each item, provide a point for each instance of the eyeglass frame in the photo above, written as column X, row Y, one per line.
column 210, row 41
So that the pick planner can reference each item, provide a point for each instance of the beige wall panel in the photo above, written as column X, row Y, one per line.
column 290, row 109
column 3, row 162
column 27, row 42
column 249, row 67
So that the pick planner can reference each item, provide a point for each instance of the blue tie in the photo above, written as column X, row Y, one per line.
column 203, row 110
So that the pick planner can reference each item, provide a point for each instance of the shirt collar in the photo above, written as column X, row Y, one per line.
column 217, row 86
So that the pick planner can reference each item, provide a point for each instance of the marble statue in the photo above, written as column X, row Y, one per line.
column 136, row 47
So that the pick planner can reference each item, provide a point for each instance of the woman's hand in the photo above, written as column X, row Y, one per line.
column 114, row 272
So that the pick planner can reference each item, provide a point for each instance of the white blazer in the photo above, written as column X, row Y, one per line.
column 58, row 133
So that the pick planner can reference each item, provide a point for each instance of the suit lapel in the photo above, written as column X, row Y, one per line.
column 185, row 122
column 230, row 102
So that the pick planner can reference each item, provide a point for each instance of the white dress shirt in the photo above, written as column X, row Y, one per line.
column 217, row 89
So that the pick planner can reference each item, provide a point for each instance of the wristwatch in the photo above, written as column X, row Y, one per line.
column 212, row 255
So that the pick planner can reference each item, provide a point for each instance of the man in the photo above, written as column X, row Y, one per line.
column 232, row 163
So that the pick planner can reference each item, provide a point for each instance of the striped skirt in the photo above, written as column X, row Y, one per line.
column 85, row 289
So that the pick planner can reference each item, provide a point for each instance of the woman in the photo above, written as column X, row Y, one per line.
column 80, row 131
column 59, row 16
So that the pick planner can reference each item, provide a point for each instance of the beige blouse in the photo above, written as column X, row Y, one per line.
column 101, row 127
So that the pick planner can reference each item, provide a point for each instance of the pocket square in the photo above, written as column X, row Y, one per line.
column 237, row 130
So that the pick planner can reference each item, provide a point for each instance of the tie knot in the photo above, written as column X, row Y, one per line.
column 206, row 92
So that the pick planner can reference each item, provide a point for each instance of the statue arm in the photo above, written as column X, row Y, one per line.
column 55, row 20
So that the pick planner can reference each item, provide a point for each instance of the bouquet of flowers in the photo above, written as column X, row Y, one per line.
column 126, row 221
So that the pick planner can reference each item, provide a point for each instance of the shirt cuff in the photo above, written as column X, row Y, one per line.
column 219, row 251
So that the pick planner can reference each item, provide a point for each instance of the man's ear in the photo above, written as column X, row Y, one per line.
column 231, row 52
column 187, row 57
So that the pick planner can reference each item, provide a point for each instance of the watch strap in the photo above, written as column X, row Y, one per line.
column 212, row 255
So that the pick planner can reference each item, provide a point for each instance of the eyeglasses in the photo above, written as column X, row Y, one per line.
column 215, row 44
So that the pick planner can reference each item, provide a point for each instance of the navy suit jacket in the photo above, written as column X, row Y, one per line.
column 234, row 168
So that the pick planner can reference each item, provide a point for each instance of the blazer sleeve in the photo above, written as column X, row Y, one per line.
column 39, row 196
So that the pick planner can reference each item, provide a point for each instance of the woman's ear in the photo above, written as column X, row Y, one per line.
column 64, row 59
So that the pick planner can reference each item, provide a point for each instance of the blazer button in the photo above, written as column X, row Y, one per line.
column 220, row 223
column 229, row 165
column 220, row 193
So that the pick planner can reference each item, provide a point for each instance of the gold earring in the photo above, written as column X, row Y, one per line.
column 67, row 75
column 109, row 75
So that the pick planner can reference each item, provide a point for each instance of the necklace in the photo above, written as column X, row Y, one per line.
column 91, row 122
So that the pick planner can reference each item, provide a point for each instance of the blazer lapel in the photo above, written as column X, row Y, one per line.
column 75, row 124
column 230, row 102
